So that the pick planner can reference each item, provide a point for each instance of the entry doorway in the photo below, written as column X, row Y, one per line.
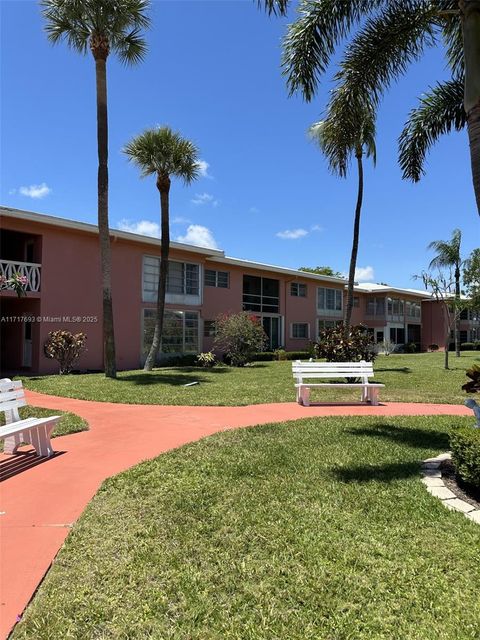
column 272, row 326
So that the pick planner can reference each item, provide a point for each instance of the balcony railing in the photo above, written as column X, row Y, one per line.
column 31, row 270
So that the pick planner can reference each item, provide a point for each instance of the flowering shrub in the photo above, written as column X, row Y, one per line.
column 206, row 359
column 65, row 347
column 334, row 347
column 239, row 336
column 17, row 282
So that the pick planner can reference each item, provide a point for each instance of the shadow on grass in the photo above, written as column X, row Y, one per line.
column 419, row 438
column 394, row 370
column 377, row 473
column 175, row 380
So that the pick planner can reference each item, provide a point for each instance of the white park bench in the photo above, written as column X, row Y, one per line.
column 331, row 370
column 34, row 431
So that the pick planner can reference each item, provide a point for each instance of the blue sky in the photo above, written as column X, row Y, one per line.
column 213, row 73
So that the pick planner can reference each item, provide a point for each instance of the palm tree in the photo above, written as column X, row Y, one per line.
column 448, row 255
column 391, row 35
column 101, row 26
column 338, row 144
column 165, row 154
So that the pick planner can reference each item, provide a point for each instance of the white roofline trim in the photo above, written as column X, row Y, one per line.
column 87, row 227
column 247, row 264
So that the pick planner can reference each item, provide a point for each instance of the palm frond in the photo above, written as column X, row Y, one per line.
column 164, row 152
column 453, row 37
column 312, row 39
column 119, row 21
column 448, row 252
column 439, row 111
column 274, row 7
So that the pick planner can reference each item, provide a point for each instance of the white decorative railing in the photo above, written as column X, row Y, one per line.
column 31, row 270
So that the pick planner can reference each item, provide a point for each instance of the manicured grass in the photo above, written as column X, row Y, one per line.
column 68, row 423
column 407, row 378
column 308, row 530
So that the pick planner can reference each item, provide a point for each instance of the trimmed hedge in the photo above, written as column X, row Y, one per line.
column 465, row 446
column 266, row 356
column 470, row 346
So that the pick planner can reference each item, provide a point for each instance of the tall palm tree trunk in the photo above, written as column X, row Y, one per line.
column 356, row 237
column 457, row 312
column 100, row 52
column 470, row 13
column 163, row 185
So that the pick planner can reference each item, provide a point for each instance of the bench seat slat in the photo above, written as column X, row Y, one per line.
column 11, row 395
column 25, row 425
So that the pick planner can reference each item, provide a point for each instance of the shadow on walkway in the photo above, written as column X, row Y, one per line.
column 16, row 463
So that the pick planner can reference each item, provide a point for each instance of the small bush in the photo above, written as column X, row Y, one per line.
column 280, row 354
column 65, row 348
column 239, row 336
column 473, row 384
column 299, row 355
column 206, row 359
column 264, row 356
column 433, row 347
column 388, row 347
column 334, row 347
column 465, row 447
column 411, row 347
column 468, row 346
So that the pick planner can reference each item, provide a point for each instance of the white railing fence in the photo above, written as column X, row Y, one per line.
column 30, row 270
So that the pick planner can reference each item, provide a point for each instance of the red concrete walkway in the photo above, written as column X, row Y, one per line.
column 40, row 503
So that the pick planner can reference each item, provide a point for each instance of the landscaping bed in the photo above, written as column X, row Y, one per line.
column 318, row 528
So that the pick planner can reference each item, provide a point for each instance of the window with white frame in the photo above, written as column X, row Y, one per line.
column 220, row 279
column 376, row 307
column 414, row 309
column 300, row 330
column 298, row 289
column 180, row 331
column 329, row 299
column 183, row 278
column 395, row 307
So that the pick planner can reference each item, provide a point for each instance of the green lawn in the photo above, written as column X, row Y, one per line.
column 407, row 378
column 318, row 529
column 68, row 423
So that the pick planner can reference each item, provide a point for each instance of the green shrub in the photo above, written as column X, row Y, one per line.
column 65, row 347
column 465, row 447
column 468, row 346
column 473, row 384
column 206, row 359
column 432, row 347
column 299, row 355
column 334, row 347
column 264, row 356
column 411, row 347
column 280, row 354
column 239, row 336
column 179, row 360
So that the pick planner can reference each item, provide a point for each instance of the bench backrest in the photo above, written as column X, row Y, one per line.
column 12, row 396
column 302, row 370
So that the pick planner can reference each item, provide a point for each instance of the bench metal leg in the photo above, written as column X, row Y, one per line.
column 305, row 396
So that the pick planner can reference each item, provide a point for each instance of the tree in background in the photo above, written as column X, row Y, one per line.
column 471, row 279
column 322, row 271
column 165, row 154
column 101, row 26
column 339, row 144
column 239, row 336
column 449, row 255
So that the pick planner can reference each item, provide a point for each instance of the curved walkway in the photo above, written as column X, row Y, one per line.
column 39, row 506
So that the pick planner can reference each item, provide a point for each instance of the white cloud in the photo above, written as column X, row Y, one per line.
column 316, row 227
column 142, row 227
column 203, row 166
column 292, row 234
column 36, row 191
column 198, row 236
column 205, row 198
column 364, row 274
column 180, row 220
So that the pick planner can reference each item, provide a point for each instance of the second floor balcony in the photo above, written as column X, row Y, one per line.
column 30, row 270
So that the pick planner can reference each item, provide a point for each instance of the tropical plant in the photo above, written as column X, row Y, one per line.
column 339, row 145
column 16, row 282
column 101, row 26
column 391, row 34
column 206, row 359
column 165, row 154
column 65, row 347
column 471, row 279
column 449, row 255
column 335, row 347
column 473, row 384
column 239, row 336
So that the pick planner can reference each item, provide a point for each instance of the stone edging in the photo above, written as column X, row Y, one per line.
column 432, row 478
